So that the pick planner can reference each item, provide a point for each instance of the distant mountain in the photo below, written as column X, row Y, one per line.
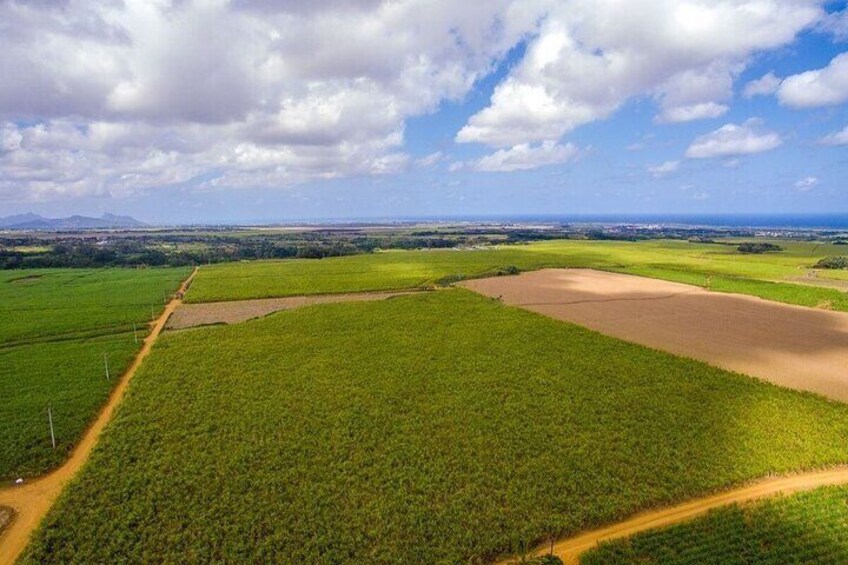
column 9, row 221
column 36, row 222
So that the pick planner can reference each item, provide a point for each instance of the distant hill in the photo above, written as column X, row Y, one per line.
column 36, row 222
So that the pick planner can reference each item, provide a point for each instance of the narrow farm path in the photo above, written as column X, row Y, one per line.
column 570, row 549
column 32, row 500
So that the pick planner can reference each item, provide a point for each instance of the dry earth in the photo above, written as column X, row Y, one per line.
column 792, row 346
column 232, row 312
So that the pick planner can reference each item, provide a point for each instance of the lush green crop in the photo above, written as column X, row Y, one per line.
column 67, row 376
column 804, row 528
column 55, row 326
column 434, row 428
column 719, row 267
column 47, row 304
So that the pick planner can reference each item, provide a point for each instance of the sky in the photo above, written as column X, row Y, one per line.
column 239, row 111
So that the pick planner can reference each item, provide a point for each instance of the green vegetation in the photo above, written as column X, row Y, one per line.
column 804, row 528
column 758, row 247
column 433, row 428
column 716, row 266
column 55, row 328
column 833, row 263
column 49, row 304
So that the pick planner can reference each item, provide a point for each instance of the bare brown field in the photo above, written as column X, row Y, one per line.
column 233, row 312
column 792, row 346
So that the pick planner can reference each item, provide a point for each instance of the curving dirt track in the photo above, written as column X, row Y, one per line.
column 792, row 346
column 570, row 549
column 191, row 315
column 32, row 500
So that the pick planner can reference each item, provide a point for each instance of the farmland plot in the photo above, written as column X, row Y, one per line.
column 441, row 427
column 59, row 328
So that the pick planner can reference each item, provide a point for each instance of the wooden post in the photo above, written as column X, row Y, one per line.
column 50, row 419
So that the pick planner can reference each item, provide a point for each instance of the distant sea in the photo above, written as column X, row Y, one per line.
column 821, row 221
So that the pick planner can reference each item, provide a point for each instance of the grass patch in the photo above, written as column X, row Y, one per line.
column 70, row 378
column 718, row 267
column 803, row 528
column 55, row 326
column 436, row 428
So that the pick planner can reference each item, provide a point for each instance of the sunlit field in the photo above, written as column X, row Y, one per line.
column 433, row 428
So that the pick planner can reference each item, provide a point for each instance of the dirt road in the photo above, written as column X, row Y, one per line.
column 190, row 315
column 569, row 549
column 32, row 500
column 792, row 346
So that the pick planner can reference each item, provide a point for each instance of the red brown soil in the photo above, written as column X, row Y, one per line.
column 33, row 499
column 190, row 315
column 792, row 346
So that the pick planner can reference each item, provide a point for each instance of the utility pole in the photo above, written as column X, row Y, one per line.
column 135, row 333
column 50, row 419
column 106, row 362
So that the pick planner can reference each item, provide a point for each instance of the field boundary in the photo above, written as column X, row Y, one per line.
column 569, row 549
column 31, row 501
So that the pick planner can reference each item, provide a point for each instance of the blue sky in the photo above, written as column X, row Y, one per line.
column 527, row 108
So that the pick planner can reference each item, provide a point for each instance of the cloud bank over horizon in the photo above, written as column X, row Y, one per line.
column 121, row 99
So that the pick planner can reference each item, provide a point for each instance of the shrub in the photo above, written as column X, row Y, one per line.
column 833, row 263
column 752, row 247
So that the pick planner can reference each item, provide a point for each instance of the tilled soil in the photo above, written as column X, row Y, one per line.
column 792, row 346
column 190, row 315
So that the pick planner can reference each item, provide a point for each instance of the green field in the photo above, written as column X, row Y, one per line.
column 435, row 428
column 51, row 304
column 55, row 327
column 804, row 528
column 719, row 267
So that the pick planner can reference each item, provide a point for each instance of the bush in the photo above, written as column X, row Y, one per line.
column 833, row 263
column 758, row 248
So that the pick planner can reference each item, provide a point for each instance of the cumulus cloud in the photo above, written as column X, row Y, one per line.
column 836, row 138
column 121, row 96
column 587, row 60
column 806, row 184
column 820, row 87
column 526, row 156
column 250, row 93
column 679, row 114
column 430, row 160
column 766, row 85
column 836, row 24
column 664, row 169
column 732, row 139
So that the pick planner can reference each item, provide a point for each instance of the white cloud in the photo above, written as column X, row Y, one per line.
column 691, row 113
column 836, row 24
column 732, row 139
column 664, row 169
column 277, row 93
column 587, row 60
column 821, row 87
column 526, row 156
column 836, row 138
column 766, row 85
column 430, row 160
column 806, row 184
